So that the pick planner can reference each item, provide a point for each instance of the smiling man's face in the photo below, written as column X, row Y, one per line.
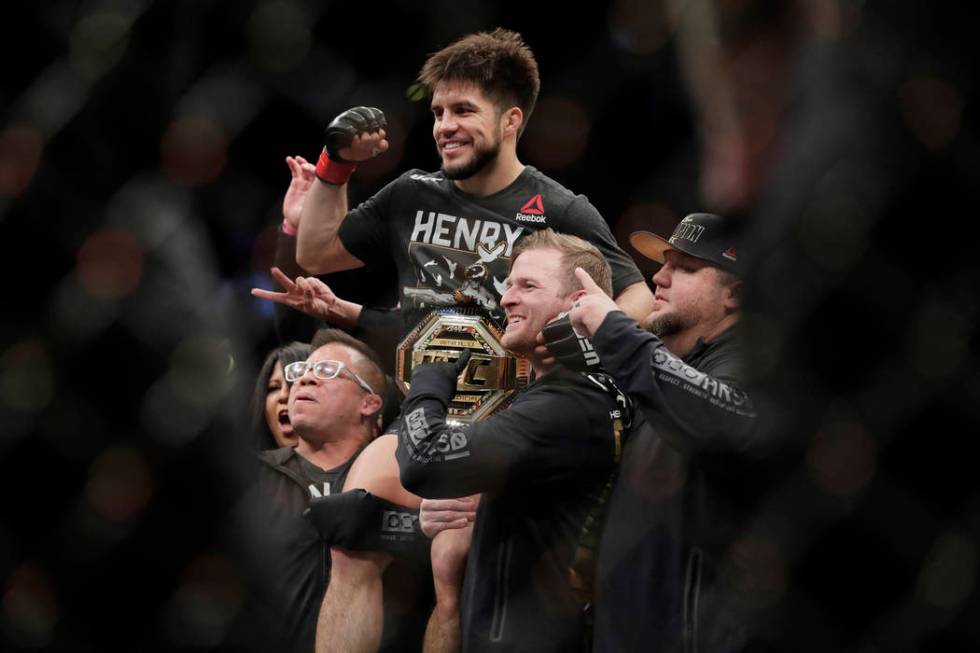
column 467, row 128
column 534, row 297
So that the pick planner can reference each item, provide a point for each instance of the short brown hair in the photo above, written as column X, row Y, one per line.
column 365, row 359
column 498, row 62
column 575, row 253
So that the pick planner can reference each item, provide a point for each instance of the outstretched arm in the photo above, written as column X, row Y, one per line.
column 695, row 411
column 302, row 295
column 313, row 297
column 440, row 458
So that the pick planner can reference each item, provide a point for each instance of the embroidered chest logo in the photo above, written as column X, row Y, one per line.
column 532, row 211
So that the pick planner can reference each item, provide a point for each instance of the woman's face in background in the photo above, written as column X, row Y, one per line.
column 276, row 415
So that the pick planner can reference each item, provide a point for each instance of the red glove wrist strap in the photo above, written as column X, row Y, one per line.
column 332, row 172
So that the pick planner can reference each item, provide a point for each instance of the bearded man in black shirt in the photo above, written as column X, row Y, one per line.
column 451, row 233
column 679, row 567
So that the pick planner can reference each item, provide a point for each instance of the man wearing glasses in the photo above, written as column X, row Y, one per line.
column 334, row 408
column 335, row 402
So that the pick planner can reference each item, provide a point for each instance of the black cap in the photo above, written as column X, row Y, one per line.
column 702, row 235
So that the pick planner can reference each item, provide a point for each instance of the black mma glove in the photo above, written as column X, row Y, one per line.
column 359, row 521
column 570, row 349
column 438, row 380
column 332, row 168
column 341, row 131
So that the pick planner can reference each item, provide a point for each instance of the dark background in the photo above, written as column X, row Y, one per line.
column 142, row 169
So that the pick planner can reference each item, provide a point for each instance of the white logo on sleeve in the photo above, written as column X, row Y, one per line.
column 394, row 521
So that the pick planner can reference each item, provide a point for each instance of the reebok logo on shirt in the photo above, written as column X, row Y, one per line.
column 532, row 211
column 534, row 205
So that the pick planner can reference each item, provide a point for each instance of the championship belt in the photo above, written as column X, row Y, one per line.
column 492, row 375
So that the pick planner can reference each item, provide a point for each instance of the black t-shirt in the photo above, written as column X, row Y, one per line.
column 298, row 568
column 323, row 481
column 290, row 481
column 454, row 249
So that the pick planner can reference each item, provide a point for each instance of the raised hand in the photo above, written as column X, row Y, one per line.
column 356, row 135
column 590, row 309
column 303, row 173
column 306, row 294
